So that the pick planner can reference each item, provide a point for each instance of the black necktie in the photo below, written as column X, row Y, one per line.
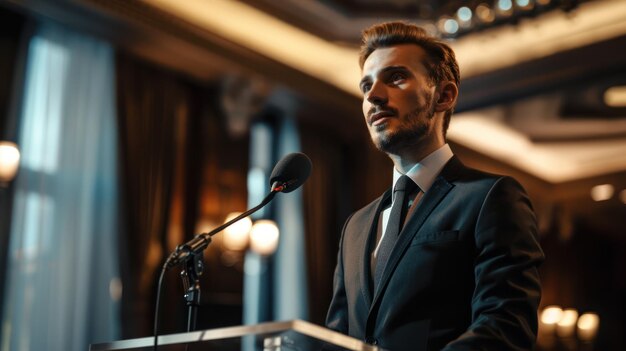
column 403, row 188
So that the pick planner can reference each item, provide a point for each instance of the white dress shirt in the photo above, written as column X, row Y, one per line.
column 423, row 174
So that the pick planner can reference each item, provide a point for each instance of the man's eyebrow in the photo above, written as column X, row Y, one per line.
column 384, row 70
column 364, row 80
column 394, row 68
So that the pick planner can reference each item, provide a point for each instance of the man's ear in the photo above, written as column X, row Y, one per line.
column 446, row 97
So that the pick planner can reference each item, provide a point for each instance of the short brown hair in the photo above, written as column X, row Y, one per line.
column 441, row 66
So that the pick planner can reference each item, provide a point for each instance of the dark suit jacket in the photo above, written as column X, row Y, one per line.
column 462, row 275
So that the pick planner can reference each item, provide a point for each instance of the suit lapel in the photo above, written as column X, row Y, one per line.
column 372, row 221
column 429, row 201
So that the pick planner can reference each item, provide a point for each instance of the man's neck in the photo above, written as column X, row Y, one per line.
column 406, row 159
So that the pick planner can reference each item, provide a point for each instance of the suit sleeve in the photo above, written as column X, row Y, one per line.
column 507, row 289
column 337, row 317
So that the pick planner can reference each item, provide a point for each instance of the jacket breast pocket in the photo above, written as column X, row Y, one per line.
column 431, row 238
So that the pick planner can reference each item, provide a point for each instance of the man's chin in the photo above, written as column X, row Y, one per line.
column 387, row 144
column 394, row 143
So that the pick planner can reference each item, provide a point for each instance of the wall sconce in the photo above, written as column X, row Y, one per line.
column 260, row 237
column 236, row 236
column 566, row 326
column 588, row 325
column 550, row 316
column 264, row 237
column 602, row 192
column 9, row 161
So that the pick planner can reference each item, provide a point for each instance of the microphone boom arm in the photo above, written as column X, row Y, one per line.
column 201, row 241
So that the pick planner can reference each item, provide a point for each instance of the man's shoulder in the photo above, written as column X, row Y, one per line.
column 456, row 171
column 476, row 184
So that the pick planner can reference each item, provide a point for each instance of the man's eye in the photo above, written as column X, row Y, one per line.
column 397, row 77
column 365, row 87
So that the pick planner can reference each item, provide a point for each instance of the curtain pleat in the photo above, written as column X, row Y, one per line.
column 323, row 194
column 153, row 108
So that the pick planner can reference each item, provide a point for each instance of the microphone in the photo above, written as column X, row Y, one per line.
column 290, row 172
column 288, row 175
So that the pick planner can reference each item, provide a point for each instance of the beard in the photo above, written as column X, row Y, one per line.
column 415, row 125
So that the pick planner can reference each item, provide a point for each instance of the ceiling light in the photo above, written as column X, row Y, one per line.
column 259, row 32
column 447, row 25
column 485, row 13
column 602, row 192
column 451, row 26
column 525, row 5
column 464, row 14
column 615, row 96
column 480, row 53
column 505, row 6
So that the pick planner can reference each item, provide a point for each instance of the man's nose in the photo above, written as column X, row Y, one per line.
column 377, row 95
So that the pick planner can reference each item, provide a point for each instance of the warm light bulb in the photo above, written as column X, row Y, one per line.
column 9, row 161
column 551, row 315
column 602, row 192
column 236, row 236
column 615, row 96
column 485, row 13
column 264, row 237
column 565, row 327
column 588, row 325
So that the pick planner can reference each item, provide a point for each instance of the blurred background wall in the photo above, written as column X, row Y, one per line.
column 142, row 123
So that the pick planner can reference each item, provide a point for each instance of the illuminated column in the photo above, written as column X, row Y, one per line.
column 257, row 294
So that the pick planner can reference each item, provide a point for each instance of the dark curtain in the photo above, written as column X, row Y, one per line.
column 327, row 203
column 13, row 48
column 159, row 209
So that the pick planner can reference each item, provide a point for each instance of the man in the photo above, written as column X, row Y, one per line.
column 453, row 263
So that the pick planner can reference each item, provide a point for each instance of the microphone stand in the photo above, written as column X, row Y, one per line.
column 295, row 167
column 190, row 254
column 191, row 283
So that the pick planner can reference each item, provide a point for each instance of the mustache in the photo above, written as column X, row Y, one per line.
column 378, row 109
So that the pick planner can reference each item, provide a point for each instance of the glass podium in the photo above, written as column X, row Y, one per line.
column 293, row 335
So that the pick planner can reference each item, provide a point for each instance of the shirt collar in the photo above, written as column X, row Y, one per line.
column 424, row 172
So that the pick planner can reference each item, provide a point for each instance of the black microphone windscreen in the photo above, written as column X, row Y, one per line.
column 291, row 171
